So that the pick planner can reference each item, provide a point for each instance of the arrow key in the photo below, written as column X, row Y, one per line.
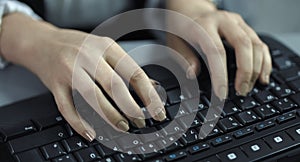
column 73, row 144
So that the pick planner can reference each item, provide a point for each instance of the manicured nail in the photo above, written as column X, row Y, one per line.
column 223, row 92
column 161, row 115
column 154, row 82
column 123, row 126
column 244, row 89
column 190, row 74
column 89, row 136
column 139, row 122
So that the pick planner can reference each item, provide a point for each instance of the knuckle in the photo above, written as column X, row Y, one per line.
column 137, row 75
column 113, row 83
column 243, row 40
column 237, row 16
column 225, row 13
column 107, row 40
column 259, row 45
column 246, row 73
column 264, row 46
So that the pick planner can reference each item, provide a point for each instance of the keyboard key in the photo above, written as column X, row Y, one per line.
column 230, row 108
column 174, row 111
column 148, row 150
column 107, row 159
column 294, row 132
column 295, row 84
column 214, row 132
column 276, row 52
column 31, row 155
column 47, row 122
column 286, row 117
column 282, row 91
column 87, row 154
column 247, row 117
column 104, row 151
column 221, row 140
column 296, row 98
column 243, row 132
column 184, row 122
column 284, row 104
column 282, row 63
column 201, row 106
column 210, row 159
column 152, row 134
column 279, row 141
column 264, row 97
column 65, row 158
column 265, row 111
column 256, row 149
column 246, row 102
column 165, row 143
column 233, row 155
column 290, row 74
column 122, row 157
column 14, row 130
column 129, row 141
column 73, row 144
column 191, row 107
column 37, row 139
column 170, row 128
column 176, row 156
column 174, row 96
column 52, row 150
column 228, row 123
column 190, row 136
column 157, row 160
column 198, row 148
column 212, row 116
column 265, row 124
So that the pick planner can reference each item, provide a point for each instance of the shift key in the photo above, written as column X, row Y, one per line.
column 37, row 139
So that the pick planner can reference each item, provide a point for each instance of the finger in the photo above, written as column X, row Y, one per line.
column 258, row 52
column 97, row 100
column 242, row 44
column 264, row 76
column 115, row 87
column 181, row 47
column 124, row 65
column 216, row 57
column 65, row 105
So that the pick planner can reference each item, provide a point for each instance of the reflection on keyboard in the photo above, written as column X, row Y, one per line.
column 252, row 128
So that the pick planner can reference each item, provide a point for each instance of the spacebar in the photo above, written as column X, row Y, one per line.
column 37, row 139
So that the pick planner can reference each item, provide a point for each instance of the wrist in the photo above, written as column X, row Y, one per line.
column 192, row 9
column 20, row 37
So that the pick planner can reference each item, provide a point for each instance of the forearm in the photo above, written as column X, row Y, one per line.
column 20, row 38
column 191, row 8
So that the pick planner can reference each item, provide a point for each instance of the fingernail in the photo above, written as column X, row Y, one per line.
column 244, row 89
column 267, row 79
column 123, row 126
column 190, row 74
column 89, row 136
column 161, row 115
column 139, row 122
column 154, row 82
column 223, row 92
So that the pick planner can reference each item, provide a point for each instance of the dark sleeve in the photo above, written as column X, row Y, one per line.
column 37, row 6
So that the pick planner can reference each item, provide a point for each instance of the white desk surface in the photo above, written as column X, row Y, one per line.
column 16, row 83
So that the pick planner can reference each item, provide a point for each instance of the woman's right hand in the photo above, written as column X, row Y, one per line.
column 52, row 53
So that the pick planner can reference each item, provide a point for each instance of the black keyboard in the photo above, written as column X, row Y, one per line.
column 264, row 126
